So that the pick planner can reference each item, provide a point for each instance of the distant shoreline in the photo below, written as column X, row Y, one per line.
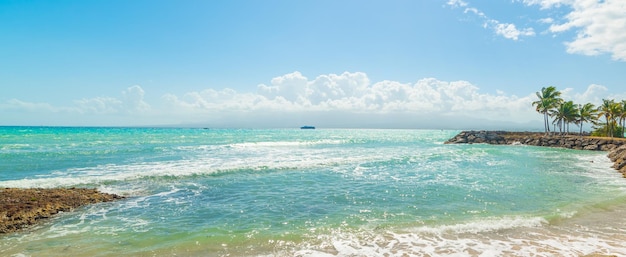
column 616, row 147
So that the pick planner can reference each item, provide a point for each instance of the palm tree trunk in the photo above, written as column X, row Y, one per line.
column 581, row 128
column 546, row 125
column 608, row 129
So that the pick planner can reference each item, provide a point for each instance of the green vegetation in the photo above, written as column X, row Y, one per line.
column 608, row 119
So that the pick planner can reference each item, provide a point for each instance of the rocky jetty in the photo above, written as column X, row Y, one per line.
column 618, row 157
column 615, row 146
column 20, row 208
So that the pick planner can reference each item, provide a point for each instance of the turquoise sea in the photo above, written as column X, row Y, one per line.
column 323, row 192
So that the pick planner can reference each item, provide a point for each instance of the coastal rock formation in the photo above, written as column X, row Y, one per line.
column 618, row 157
column 20, row 208
column 615, row 146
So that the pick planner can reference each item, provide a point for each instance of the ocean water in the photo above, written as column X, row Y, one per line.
column 324, row 192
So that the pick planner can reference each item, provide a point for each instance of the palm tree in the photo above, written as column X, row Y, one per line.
column 548, row 99
column 564, row 114
column 558, row 115
column 571, row 113
column 609, row 109
column 622, row 115
column 586, row 113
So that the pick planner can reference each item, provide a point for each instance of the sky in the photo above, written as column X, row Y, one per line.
column 436, row 64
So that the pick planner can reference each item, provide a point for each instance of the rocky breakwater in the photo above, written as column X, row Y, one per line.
column 618, row 157
column 615, row 146
column 20, row 208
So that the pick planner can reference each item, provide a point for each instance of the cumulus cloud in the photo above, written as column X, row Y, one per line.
column 354, row 93
column 600, row 26
column 132, row 101
column 98, row 105
column 211, row 101
column 334, row 100
column 319, row 93
column 594, row 94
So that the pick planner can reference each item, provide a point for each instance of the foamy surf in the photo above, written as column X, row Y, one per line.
column 255, row 159
column 531, row 237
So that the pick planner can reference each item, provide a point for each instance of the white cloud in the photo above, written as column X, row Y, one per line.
column 546, row 4
column 353, row 93
column 298, row 89
column 351, row 98
column 99, row 105
column 476, row 12
column 509, row 30
column 347, row 99
column 131, row 102
column 133, row 99
column 594, row 94
column 18, row 105
column 504, row 29
column 600, row 26
column 457, row 3
column 547, row 20
column 213, row 101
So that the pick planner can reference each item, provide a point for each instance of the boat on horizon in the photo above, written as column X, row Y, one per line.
column 307, row 127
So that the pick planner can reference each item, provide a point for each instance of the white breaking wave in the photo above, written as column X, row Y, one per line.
column 288, row 143
column 510, row 236
column 485, row 225
column 220, row 162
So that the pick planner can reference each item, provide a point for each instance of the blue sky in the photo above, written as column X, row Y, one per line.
column 274, row 63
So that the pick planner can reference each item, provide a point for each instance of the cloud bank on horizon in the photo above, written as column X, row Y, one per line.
column 352, row 98
column 349, row 99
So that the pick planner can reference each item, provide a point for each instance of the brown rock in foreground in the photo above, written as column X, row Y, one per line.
column 20, row 208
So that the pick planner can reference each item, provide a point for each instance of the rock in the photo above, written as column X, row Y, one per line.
column 461, row 140
column 20, row 208
column 618, row 156
column 613, row 155
column 604, row 148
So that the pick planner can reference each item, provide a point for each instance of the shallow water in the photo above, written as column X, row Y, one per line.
column 197, row 192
